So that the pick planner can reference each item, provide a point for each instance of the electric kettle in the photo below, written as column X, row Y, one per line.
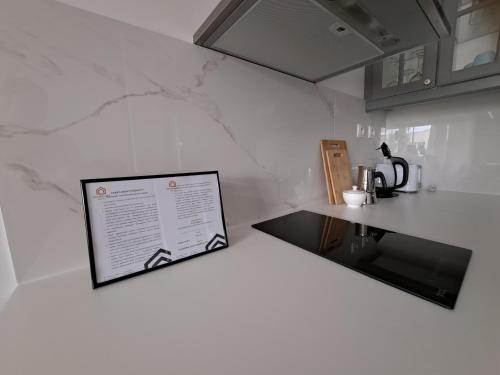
column 395, row 178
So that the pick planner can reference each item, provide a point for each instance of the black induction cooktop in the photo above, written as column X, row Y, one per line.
column 430, row 270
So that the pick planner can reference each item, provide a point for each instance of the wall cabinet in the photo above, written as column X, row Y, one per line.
column 408, row 71
column 466, row 61
column 472, row 49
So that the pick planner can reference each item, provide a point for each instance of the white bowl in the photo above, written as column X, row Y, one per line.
column 354, row 197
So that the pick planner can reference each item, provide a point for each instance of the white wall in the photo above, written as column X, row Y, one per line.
column 83, row 96
column 346, row 92
column 348, row 112
column 444, row 164
column 456, row 141
column 351, row 83
column 177, row 18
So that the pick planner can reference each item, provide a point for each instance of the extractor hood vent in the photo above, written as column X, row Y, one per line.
column 315, row 39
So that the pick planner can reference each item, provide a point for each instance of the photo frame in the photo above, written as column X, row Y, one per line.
column 139, row 224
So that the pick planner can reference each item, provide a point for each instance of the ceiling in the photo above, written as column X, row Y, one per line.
column 177, row 18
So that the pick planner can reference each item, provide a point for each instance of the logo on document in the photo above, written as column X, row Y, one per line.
column 159, row 258
column 172, row 184
column 100, row 191
column 216, row 242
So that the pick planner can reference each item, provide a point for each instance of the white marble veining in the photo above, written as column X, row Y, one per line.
column 83, row 96
column 455, row 140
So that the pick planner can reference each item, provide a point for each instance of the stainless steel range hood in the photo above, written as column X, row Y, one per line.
column 316, row 39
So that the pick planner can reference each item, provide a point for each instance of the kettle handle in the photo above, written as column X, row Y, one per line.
column 380, row 175
column 406, row 171
column 419, row 176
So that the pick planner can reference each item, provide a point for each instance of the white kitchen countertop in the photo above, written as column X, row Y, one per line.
column 263, row 306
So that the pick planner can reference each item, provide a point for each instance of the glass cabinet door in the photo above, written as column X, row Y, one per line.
column 408, row 71
column 472, row 49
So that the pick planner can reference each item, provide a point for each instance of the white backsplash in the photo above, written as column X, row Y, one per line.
column 348, row 112
column 455, row 140
column 83, row 96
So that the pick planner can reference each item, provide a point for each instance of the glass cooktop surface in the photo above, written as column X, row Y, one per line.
column 430, row 270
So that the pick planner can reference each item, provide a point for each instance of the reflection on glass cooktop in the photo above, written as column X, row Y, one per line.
column 431, row 270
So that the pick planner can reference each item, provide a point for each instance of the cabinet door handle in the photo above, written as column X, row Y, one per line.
column 427, row 81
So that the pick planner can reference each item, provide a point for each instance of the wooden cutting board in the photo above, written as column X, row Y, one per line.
column 337, row 169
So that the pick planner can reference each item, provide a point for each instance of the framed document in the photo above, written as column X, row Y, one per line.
column 139, row 224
